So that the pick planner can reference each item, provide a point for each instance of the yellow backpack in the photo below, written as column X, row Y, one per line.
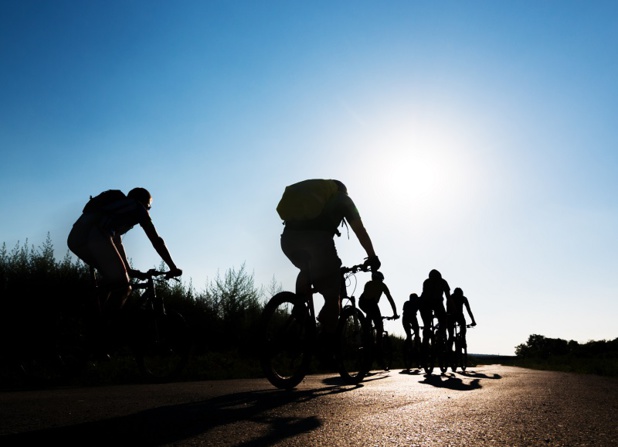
column 305, row 200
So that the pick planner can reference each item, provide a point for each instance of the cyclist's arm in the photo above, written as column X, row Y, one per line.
column 363, row 236
column 467, row 304
column 159, row 245
column 390, row 300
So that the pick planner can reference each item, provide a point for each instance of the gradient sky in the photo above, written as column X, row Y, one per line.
column 478, row 138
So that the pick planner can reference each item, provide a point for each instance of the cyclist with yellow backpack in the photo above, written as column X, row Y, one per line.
column 312, row 211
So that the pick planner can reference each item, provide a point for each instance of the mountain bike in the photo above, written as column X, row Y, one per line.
column 435, row 349
column 159, row 340
column 288, row 336
column 459, row 355
column 382, row 354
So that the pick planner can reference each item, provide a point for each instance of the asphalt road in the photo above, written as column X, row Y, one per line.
column 488, row 406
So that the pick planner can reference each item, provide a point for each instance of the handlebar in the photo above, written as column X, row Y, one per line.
column 356, row 268
column 153, row 273
column 394, row 317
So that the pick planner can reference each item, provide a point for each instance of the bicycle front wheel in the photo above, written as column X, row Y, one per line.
column 387, row 352
column 407, row 354
column 463, row 356
column 429, row 360
column 286, row 334
column 353, row 346
column 162, row 345
column 443, row 354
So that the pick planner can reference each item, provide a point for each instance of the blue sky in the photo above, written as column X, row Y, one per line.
column 477, row 137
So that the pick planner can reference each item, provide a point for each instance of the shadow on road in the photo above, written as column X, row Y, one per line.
column 171, row 424
column 480, row 375
column 452, row 382
column 455, row 382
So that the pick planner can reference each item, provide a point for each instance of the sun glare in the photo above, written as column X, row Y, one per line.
column 424, row 172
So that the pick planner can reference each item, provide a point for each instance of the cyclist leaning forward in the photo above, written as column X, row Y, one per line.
column 310, row 246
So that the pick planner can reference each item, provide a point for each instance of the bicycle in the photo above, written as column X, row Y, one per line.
column 288, row 336
column 435, row 348
column 459, row 355
column 159, row 340
column 384, row 353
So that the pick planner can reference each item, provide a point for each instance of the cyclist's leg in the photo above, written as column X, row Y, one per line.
column 373, row 314
column 314, row 254
column 408, row 327
column 442, row 320
column 450, row 319
column 114, row 285
column 415, row 328
column 326, row 277
column 427, row 317
column 464, row 330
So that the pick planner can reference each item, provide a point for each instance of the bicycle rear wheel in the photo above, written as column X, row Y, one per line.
column 162, row 345
column 353, row 345
column 286, row 341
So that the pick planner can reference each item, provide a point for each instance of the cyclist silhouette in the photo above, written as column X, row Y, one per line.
column 96, row 238
column 454, row 309
column 434, row 287
column 368, row 302
column 409, row 320
column 310, row 246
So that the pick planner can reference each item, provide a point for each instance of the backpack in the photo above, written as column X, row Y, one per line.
column 305, row 200
column 99, row 203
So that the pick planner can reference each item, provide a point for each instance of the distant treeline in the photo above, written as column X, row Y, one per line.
column 594, row 357
column 37, row 291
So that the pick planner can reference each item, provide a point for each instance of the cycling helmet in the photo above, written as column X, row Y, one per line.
column 377, row 276
column 141, row 195
column 434, row 274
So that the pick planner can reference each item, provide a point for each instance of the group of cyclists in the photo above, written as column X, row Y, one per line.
column 430, row 304
column 307, row 240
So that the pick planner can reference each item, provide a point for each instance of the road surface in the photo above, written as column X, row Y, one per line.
column 488, row 406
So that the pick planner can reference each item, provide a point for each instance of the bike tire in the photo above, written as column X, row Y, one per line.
column 443, row 357
column 353, row 346
column 286, row 340
column 429, row 361
column 387, row 352
column 463, row 363
column 162, row 345
column 455, row 355
column 408, row 356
